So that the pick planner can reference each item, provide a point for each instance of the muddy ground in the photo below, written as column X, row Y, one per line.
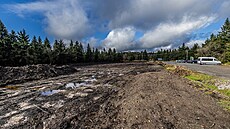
column 128, row 95
column 16, row 75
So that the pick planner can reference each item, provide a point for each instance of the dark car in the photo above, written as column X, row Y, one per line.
column 191, row 61
column 188, row 61
column 180, row 61
column 194, row 61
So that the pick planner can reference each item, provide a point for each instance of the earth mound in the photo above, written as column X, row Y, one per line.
column 15, row 75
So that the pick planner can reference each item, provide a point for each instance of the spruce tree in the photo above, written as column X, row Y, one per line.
column 47, row 51
column 114, row 54
column 39, row 51
column 14, row 44
column 31, row 51
column 4, row 38
column 110, row 55
column 55, row 53
column 145, row 55
column 23, row 43
column 89, row 54
column 70, row 51
column 96, row 55
column 80, row 53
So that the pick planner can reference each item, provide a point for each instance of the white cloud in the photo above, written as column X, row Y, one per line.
column 191, row 43
column 121, row 39
column 144, row 14
column 163, row 22
column 93, row 42
column 224, row 9
column 65, row 19
column 165, row 34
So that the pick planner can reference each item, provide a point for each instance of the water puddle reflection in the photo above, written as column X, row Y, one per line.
column 50, row 92
column 87, row 82
column 76, row 85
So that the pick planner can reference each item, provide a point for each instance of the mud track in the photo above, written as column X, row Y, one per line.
column 129, row 95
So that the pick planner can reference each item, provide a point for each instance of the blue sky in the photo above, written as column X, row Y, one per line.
column 120, row 24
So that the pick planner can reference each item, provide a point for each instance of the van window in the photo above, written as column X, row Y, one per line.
column 216, row 60
column 206, row 59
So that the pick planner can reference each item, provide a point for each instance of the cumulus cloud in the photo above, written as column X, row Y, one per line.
column 144, row 14
column 165, row 34
column 224, row 9
column 162, row 22
column 121, row 39
column 191, row 43
column 93, row 42
column 65, row 19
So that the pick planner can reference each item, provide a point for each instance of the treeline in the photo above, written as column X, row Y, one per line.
column 16, row 49
column 132, row 56
column 218, row 45
column 182, row 53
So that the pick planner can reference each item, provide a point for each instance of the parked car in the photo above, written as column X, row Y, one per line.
column 188, row 61
column 194, row 61
column 180, row 61
column 208, row 60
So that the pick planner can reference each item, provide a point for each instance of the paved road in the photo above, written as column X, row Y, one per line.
column 215, row 70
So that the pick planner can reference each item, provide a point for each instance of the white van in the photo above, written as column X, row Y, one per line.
column 208, row 60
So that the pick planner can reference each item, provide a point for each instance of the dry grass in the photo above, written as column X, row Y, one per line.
column 12, row 87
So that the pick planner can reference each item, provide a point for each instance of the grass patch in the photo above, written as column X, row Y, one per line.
column 212, row 87
column 207, row 83
column 179, row 70
column 227, row 64
column 11, row 87
column 225, row 92
column 199, row 77
column 225, row 104
column 170, row 67
column 204, row 83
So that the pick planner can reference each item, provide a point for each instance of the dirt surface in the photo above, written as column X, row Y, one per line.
column 129, row 95
column 214, row 70
column 15, row 75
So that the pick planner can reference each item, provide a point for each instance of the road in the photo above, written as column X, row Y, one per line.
column 214, row 70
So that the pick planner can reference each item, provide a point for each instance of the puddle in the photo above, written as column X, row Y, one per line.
column 91, row 80
column 50, row 92
column 78, row 94
column 121, row 74
column 76, row 85
column 87, row 82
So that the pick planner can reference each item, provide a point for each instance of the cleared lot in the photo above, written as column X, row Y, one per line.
column 215, row 70
column 128, row 95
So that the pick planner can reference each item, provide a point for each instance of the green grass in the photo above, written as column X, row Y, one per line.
column 225, row 104
column 199, row 77
column 212, row 87
column 225, row 92
column 207, row 83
